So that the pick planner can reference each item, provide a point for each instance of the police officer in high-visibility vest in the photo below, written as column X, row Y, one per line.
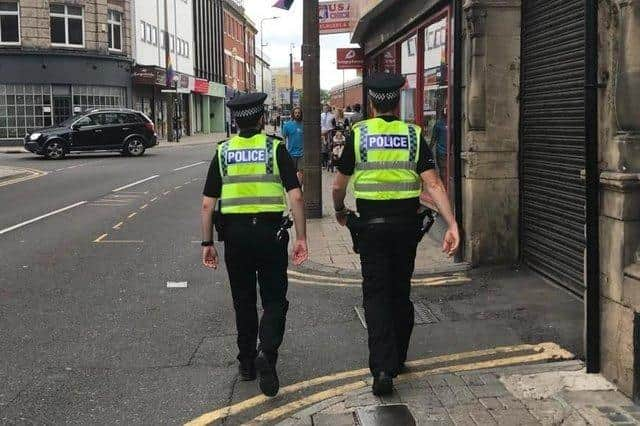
column 390, row 164
column 250, row 174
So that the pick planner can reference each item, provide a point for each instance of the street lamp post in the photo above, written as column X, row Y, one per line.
column 262, row 45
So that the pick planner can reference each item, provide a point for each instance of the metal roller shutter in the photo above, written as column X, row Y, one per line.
column 553, row 139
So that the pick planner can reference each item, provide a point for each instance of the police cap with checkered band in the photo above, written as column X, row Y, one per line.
column 384, row 87
column 247, row 105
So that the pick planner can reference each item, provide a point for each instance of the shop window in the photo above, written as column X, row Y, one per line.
column 23, row 108
column 114, row 31
column 436, row 93
column 67, row 25
column 409, row 66
column 9, row 23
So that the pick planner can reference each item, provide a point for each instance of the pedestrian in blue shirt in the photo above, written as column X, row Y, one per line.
column 293, row 135
column 439, row 139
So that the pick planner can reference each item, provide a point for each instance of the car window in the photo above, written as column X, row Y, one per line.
column 129, row 118
column 110, row 118
column 89, row 120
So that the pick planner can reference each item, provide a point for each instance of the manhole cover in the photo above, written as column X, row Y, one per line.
column 384, row 415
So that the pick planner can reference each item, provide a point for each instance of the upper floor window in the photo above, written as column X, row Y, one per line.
column 67, row 25
column 114, row 22
column 9, row 23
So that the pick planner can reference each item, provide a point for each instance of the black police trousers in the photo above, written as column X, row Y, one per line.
column 387, row 255
column 253, row 255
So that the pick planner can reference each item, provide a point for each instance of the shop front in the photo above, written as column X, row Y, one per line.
column 416, row 41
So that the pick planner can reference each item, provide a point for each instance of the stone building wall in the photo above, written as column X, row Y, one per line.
column 619, row 150
column 35, row 25
column 491, row 79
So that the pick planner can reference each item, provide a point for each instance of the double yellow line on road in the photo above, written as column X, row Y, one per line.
column 499, row 357
column 322, row 280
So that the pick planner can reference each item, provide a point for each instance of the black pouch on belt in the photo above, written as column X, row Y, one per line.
column 282, row 234
column 354, row 224
column 427, row 219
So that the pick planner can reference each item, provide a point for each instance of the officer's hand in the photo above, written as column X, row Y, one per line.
column 451, row 240
column 210, row 257
column 300, row 252
column 341, row 216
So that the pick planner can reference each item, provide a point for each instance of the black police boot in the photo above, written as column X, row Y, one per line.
column 247, row 370
column 402, row 368
column 269, row 384
column 382, row 384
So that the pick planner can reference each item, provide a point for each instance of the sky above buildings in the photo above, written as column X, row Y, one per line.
column 287, row 29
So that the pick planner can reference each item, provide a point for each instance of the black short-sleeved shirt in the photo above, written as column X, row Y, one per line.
column 288, row 176
column 374, row 208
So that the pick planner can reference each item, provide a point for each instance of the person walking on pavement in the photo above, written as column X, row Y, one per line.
column 390, row 163
column 247, row 175
column 293, row 136
column 326, row 123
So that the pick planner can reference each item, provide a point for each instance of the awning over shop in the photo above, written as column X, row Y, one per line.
column 388, row 20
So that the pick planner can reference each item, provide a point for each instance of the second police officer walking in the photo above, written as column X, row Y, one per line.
column 390, row 164
column 249, row 175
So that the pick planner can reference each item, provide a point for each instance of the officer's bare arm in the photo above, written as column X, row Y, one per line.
column 206, row 213
column 296, row 201
column 432, row 183
column 339, row 192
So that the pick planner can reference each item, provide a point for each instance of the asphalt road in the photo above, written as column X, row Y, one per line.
column 91, row 334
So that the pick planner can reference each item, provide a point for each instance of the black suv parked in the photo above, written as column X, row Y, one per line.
column 104, row 129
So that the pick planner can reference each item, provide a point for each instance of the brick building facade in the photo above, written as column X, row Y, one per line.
column 239, row 49
column 61, row 58
column 352, row 94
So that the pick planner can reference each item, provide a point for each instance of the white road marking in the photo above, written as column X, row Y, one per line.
column 144, row 206
column 100, row 238
column 190, row 165
column 178, row 187
column 35, row 219
column 118, row 225
column 181, row 284
column 153, row 199
column 135, row 183
column 132, row 215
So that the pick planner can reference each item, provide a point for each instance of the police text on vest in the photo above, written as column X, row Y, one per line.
column 387, row 142
column 242, row 156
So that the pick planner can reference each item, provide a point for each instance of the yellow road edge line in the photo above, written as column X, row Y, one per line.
column 320, row 396
column 100, row 238
column 122, row 242
column 34, row 174
column 456, row 281
column 132, row 215
column 118, row 225
column 144, row 206
column 239, row 407
column 304, row 275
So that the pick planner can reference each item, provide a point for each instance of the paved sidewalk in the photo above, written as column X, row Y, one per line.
column 539, row 394
column 198, row 139
column 331, row 248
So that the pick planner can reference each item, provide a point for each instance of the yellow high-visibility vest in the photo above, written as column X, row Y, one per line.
column 250, row 176
column 386, row 159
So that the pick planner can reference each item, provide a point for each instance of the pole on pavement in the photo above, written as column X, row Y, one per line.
column 311, row 108
column 343, row 94
column 291, row 80
column 167, row 58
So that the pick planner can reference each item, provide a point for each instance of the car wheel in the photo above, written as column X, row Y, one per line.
column 54, row 150
column 134, row 147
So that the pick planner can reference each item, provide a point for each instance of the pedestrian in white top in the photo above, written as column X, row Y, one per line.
column 326, row 123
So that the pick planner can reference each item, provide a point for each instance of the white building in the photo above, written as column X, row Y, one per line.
column 264, row 77
column 149, row 90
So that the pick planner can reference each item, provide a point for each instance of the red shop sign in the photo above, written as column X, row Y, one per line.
column 350, row 58
column 201, row 86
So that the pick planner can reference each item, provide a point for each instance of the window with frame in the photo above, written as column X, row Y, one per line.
column 67, row 25
column 154, row 35
column 114, row 23
column 142, row 29
column 172, row 42
column 9, row 23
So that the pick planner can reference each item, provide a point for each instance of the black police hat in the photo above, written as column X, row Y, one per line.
column 247, row 105
column 383, row 82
